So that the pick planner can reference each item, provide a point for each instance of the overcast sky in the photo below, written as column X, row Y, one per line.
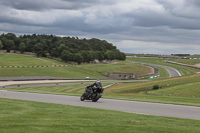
column 134, row 26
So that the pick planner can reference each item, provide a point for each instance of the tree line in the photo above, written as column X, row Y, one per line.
column 71, row 49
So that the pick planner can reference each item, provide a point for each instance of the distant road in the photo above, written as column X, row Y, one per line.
column 158, row 109
column 172, row 72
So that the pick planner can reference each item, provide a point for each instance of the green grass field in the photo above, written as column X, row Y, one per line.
column 182, row 69
column 163, row 72
column 179, row 90
column 118, row 66
column 186, row 90
column 164, row 83
column 186, row 61
column 193, row 56
column 17, row 116
column 22, row 60
column 69, row 72
column 75, row 90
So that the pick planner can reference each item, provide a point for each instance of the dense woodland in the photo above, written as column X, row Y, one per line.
column 71, row 49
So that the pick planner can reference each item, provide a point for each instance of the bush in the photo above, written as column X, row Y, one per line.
column 155, row 87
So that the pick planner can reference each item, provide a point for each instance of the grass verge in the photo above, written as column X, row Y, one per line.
column 118, row 66
column 163, row 83
column 21, row 60
column 187, row 61
column 75, row 90
column 17, row 116
column 179, row 90
column 69, row 71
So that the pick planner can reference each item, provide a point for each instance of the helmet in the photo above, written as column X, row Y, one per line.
column 98, row 83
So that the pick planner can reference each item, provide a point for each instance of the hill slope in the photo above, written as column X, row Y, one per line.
column 45, row 68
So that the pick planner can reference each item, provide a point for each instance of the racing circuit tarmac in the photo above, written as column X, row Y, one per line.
column 172, row 72
column 158, row 109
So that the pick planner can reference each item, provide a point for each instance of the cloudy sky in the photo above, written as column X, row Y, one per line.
column 134, row 26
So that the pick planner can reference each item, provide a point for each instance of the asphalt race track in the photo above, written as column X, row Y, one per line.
column 172, row 72
column 170, row 110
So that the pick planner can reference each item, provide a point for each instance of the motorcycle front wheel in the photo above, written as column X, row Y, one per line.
column 96, row 98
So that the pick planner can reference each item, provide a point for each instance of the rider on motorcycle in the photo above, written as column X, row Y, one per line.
column 97, row 84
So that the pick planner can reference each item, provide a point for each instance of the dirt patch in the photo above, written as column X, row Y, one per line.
column 152, row 71
column 114, row 62
column 198, row 65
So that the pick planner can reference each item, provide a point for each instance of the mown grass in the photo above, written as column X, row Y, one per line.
column 164, row 83
column 193, row 56
column 17, row 116
column 163, row 72
column 179, row 90
column 76, row 90
column 118, row 66
column 21, row 60
column 179, row 100
column 159, row 61
column 69, row 72
column 186, row 61
column 186, row 90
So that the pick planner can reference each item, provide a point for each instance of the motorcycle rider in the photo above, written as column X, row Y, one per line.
column 97, row 84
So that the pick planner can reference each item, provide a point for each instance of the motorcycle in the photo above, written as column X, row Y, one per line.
column 91, row 93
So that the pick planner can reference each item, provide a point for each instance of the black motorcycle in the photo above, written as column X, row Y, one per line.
column 91, row 93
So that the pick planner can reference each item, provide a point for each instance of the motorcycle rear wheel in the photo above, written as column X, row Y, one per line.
column 82, row 98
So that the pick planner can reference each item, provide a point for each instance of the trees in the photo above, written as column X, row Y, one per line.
column 22, row 47
column 121, row 56
column 1, row 45
column 67, row 48
column 110, row 55
column 77, row 57
column 66, row 55
column 86, row 56
column 61, row 48
column 38, row 49
column 100, row 56
column 9, row 45
column 8, row 41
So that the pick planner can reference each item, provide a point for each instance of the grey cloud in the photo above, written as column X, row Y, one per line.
column 195, row 3
column 163, row 22
column 25, row 4
column 42, row 5
column 148, row 18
